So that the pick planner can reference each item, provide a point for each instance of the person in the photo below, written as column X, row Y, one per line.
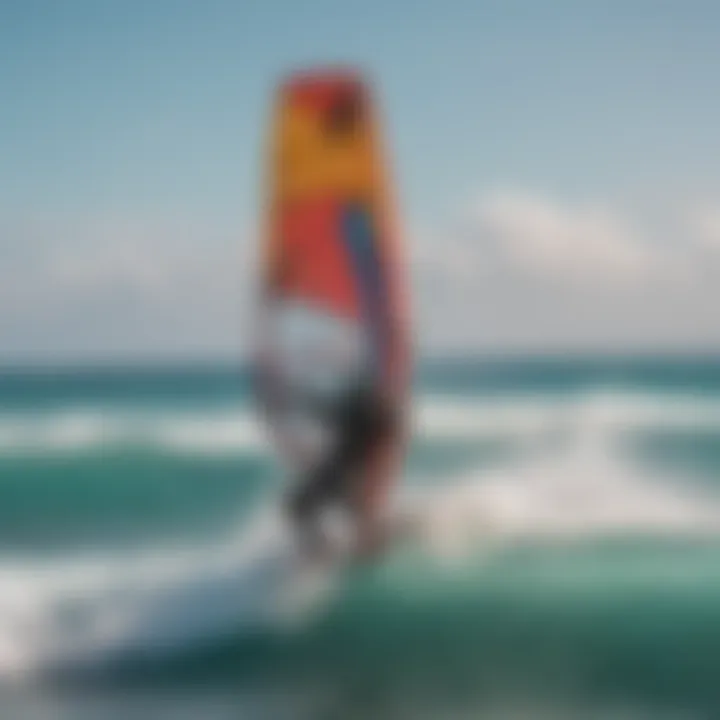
column 360, row 421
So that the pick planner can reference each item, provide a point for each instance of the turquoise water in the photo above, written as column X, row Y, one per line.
column 568, row 563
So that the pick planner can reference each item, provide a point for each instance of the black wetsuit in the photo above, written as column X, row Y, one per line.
column 360, row 420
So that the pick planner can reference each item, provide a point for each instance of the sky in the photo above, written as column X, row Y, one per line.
column 556, row 164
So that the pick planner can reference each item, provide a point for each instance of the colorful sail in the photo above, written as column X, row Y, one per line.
column 333, row 280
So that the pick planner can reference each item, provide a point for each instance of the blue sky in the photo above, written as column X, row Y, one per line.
column 566, row 150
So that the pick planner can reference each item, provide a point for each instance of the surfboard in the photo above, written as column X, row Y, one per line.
column 333, row 295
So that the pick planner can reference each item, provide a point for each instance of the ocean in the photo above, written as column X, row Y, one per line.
column 566, row 562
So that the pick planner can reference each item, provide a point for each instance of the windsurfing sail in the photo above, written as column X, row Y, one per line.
column 333, row 300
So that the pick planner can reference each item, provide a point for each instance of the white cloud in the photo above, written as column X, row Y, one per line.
column 514, row 271
column 116, row 288
column 704, row 225
column 578, row 243
column 520, row 271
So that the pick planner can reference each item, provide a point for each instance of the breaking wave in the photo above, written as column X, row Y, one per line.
column 438, row 417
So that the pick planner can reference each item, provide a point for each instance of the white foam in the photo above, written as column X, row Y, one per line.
column 77, row 430
column 448, row 416
column 95, row 608
column 82, row 610
column 438, row 417
column 587, row 492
